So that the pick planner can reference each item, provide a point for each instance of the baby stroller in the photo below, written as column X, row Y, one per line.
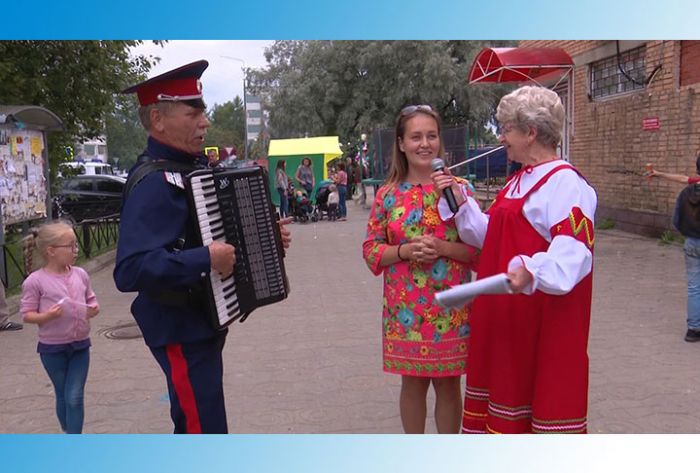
column 300, row 206
column 321, row 207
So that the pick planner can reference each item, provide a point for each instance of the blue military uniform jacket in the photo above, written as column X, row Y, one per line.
column 150, row 259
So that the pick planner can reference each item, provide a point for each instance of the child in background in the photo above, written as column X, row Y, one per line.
column 59, row 298
column 302, row 206
column 333, row 199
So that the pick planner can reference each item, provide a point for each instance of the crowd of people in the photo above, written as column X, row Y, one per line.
column 303, row 199
column 523, row 349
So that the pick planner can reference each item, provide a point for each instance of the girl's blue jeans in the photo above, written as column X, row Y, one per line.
column 284, row 203
column 68, row 372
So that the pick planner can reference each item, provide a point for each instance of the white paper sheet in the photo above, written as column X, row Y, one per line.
column 458, row 296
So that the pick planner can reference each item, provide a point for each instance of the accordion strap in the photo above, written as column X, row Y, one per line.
column 193, row 296
column 150, row 165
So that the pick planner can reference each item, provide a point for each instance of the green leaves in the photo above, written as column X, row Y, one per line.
column 347, row 88
column 227, row 126
column 76, row 80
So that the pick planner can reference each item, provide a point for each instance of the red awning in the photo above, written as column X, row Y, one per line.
column 520, row 65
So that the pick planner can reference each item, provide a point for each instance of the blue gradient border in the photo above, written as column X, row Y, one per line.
column 363, row 19
column 345, row 453
column 360, row 19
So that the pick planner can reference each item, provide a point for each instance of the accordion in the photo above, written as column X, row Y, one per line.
column 234, row 205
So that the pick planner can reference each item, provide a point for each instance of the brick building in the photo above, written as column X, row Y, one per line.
column 647, row 113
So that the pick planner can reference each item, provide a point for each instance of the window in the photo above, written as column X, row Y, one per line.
column 78, row 185
column 108, row 185
column 89, row 150
column 607, row 79
column 102, row 149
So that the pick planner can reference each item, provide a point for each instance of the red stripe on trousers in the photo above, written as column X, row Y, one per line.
column 183, row 388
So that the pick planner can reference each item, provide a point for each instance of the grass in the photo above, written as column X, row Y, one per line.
column 670, row 238
column 605, row 224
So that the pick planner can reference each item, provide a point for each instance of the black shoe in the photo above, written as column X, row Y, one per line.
column 692, row 335
column 15, row 326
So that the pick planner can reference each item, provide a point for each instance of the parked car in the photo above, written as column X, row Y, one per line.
column 86, row 197
column 82, row 167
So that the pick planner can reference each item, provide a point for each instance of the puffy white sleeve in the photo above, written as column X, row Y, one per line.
column 562, row 211
column 470, row 221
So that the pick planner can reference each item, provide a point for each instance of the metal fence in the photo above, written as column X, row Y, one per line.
column 457, row 141
column 93, row 236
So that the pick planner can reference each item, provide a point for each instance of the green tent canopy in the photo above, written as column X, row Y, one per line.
column 320, row 150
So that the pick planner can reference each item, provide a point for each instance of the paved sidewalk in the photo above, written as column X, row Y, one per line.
column 312, row 364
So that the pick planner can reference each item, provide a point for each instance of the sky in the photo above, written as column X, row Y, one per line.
column 223, row 79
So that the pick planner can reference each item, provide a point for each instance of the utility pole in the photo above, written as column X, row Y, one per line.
column 245, row 106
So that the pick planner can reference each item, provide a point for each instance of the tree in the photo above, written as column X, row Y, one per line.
column 347, row 88
column 77, row 80
column 126, row 137
column 258, row 148
column 227, row 125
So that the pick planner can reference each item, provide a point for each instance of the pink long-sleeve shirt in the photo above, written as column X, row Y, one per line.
column 42, row 289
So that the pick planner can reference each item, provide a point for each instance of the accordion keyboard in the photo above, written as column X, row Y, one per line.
column 234, row 206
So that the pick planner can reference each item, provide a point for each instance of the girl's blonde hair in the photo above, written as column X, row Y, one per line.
column 41, row 238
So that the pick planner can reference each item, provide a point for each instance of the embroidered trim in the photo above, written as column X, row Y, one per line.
column 472, row 431
column 491, row 431
column 509, row 413
column 476, row 393
column 563, row 426
column 515, row 414
column 576, row 225
column 583, row 224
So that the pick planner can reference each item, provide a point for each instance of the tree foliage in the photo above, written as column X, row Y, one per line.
column 346, row 88
column 227, row 125
column 76, row 80
column 126, row 137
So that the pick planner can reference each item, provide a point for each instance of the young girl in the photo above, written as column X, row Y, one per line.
column 58, row 297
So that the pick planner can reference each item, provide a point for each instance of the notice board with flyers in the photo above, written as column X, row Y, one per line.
column 23, row 183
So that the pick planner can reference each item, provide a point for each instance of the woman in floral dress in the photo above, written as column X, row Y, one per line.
column 419, row 255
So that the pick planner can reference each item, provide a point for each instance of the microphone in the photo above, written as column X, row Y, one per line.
column 438, row 165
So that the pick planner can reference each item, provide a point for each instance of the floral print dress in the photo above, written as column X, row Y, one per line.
column 420, row 337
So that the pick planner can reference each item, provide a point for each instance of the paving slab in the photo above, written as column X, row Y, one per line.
column 312, row 363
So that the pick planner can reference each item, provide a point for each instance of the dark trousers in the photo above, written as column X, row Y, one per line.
column 195, row 372
column 332, row 211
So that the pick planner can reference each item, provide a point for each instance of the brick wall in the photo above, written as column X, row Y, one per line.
column 610, row 147
column 690, row 62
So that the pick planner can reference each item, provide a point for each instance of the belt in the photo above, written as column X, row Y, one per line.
column 193, row 297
